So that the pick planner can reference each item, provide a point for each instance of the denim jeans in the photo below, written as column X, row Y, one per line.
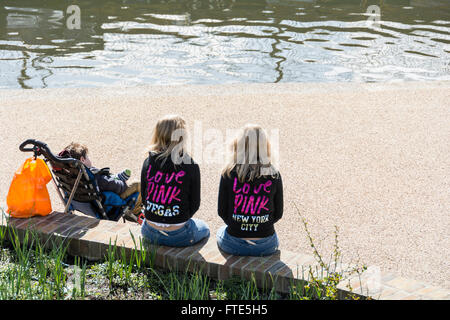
column 240, row 247
column 192, row 232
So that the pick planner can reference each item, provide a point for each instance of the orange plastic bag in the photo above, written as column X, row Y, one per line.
column 28, row 195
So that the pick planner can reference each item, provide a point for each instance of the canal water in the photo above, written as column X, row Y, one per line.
column 61, row 43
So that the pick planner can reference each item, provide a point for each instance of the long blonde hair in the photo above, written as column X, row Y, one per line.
column 169, row 138
column 250, row 154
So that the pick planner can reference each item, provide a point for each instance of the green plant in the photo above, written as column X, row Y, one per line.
column 236, row 288
column 110, row 260
column 30, row 271
column 142, row 255
column 322, row 284
column 3, row 230
column 184, row 285
column 79, row 279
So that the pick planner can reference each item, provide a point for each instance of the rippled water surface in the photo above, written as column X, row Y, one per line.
column 132, row 42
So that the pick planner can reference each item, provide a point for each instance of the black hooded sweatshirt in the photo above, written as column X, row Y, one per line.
column 170, row 193
column 250, row 209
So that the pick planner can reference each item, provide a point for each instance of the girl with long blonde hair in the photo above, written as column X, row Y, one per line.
column 250, row 196
column 170, row 188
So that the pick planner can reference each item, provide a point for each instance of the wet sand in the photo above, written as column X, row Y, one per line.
column 371, row 159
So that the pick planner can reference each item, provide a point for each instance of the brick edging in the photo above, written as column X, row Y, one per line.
column 90, row 238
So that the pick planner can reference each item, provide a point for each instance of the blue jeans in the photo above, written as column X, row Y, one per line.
column 192, row 232
column 240, row 247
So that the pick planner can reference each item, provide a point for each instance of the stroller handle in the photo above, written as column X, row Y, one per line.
column 36, row 144
column 40, row 148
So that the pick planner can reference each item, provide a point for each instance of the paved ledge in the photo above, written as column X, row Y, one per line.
column 91, row 238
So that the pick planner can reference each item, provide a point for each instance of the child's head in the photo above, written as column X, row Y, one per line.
column 250, row 154
column 78, row 151
column 169, row 136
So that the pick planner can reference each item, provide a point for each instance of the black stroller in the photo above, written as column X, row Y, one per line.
column 77, row 187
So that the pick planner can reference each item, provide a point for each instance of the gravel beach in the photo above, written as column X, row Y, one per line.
column 371, row 159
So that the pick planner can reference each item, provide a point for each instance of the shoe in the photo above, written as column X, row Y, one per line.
column 128, row 215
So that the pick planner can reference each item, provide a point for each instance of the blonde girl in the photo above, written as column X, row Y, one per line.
column 250, row 196
column 170, row 188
